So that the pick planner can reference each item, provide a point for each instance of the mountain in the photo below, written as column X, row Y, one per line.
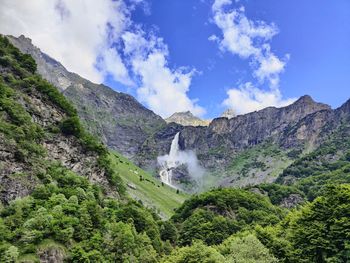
column 116, row 118
column 186, row 118
column 251, row 148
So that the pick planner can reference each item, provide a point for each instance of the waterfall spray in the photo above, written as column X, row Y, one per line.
column 174, row 159
column 170, row 161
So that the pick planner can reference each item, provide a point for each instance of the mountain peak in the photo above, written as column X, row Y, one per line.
column 186, row 118
column 306, row 103
column 305, row 98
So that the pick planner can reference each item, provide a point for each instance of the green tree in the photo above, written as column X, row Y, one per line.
column 168, row 231
column 198, row 252
column 321, row 231
column 245, row 249
column 11, row 254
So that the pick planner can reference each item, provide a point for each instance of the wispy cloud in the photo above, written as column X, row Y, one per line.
column 249, row 40
column 163, row 89
column 97, row 39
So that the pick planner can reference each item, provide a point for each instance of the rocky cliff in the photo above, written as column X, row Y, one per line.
column 117, row 118
column 254, row 147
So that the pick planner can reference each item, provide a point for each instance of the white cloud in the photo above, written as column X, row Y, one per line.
column 247, row 98
column 75, row 33
column 163, row 89
column 98, row 38
column 249, row 40
column 240, row 35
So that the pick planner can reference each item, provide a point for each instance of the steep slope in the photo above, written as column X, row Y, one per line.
column 117, row 118
column 329, row 163
column 38, row 128
column 145, row 188
column 186, row 119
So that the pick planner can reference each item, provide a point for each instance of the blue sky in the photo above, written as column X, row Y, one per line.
column 316, row 34
column 173, row 55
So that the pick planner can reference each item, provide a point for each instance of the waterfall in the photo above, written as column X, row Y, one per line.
column 169, row 162
column 176, row 158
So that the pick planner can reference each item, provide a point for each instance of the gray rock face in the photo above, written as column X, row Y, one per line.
column 292, row 201
column 187, row 119
column 299, row 127
column 126, row 126
column 118, row 119
column 49, row 69
column 218, row 143
column 52, row 255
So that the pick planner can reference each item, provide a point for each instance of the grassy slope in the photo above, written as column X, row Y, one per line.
column 150, row 190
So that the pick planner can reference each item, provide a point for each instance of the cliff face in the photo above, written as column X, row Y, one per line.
column 242, row 146
column 118, row 119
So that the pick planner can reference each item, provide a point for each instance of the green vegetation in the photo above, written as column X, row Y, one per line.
column 77, row 218
column 215, row 215
column 277, row 192
column 198, row 252
column 245, row 248
column 319, row 232
column 18, row 83
column 327, row 165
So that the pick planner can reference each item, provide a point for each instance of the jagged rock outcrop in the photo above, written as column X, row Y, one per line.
column 292, row 201
column 117, row 118
column 52, row 254
column 186, row 118
column 39, row 129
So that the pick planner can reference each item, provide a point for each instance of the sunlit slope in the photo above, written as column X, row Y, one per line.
column 143, row 186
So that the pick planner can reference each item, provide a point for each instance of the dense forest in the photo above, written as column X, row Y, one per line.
column 74, row 219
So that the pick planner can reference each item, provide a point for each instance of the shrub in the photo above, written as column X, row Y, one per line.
column 72, row 126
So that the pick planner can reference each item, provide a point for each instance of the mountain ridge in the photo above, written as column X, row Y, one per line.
column 296, row 128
